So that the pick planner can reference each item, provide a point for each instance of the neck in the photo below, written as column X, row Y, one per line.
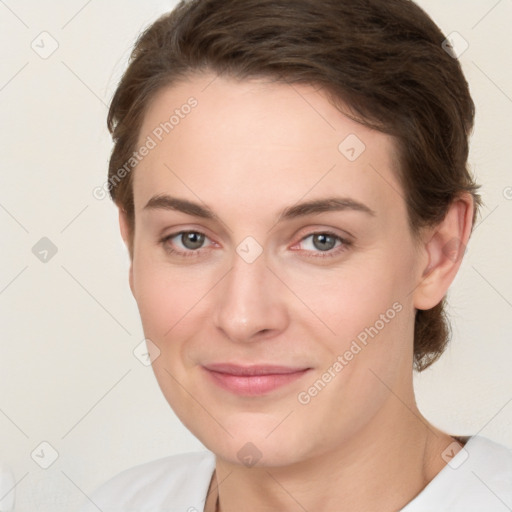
column 381, row 468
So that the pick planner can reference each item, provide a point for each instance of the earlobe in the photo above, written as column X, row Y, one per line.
column 123, row 225
column 130, row 279
column 445, row 245
column 126, row 235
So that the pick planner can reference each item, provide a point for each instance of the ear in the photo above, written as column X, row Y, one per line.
column 127, row 236
column 444, row 247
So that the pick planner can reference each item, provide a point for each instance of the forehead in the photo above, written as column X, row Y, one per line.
column 254, row 140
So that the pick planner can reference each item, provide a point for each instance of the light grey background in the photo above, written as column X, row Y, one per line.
column 68, row 376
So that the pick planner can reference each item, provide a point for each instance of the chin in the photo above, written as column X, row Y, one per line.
column 257, row 446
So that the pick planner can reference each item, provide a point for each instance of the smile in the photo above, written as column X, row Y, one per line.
column 252, row 380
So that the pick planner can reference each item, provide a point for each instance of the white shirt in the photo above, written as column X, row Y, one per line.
column 477, row 479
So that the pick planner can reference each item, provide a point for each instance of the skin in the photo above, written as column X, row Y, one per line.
column 249, row 150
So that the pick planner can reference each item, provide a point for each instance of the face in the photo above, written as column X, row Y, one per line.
column 273, row 267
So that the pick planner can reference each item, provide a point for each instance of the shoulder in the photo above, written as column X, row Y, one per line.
column 489, row 460
column 485, row 478
column 179, row 482
column 478, row 477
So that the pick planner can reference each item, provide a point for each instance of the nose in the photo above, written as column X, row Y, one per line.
column 251, row 302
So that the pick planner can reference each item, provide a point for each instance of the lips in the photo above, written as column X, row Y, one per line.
column 252, row 380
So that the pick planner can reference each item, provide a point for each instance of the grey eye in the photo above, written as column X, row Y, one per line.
column 324, row 242
column 192, row 240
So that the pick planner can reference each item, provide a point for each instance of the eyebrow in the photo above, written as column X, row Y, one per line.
column 166, row 202
column 329, row 204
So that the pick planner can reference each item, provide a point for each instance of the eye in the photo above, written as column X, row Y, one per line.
column 324, row 244
column 192, row 239
column 321, row 241
column 184, row 243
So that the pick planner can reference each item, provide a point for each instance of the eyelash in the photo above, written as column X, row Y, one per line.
column 331, row 253
column 345, row 245
column 185, row 254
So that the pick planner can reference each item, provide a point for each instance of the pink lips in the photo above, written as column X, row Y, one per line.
column 252, row 380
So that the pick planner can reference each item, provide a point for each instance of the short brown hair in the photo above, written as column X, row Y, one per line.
column 382, row 58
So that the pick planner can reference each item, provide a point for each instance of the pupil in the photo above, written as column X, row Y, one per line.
column 192, row 240
column 324, row 242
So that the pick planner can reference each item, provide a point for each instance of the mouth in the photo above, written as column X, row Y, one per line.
column 253, row 380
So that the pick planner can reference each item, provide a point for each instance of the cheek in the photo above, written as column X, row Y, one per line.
column 168, row 304
column 367, row 307
column 352, row 297
column 166, row 296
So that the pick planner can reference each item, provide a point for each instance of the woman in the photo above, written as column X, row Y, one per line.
column 293, row 190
